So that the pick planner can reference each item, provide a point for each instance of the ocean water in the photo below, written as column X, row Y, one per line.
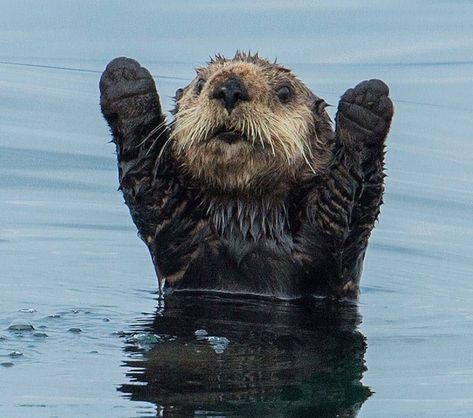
column 72, row 267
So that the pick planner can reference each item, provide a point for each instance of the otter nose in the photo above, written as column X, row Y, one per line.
column 231, row 91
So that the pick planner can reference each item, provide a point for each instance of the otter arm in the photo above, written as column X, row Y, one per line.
column 160, row 203
column 131, row 106
column 362, row 125
column 343, row 207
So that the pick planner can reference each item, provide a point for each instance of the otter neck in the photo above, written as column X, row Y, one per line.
column 248, row 217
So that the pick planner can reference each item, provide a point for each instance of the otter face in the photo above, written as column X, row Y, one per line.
column 245, row 122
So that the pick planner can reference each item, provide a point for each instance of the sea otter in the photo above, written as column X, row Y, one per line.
column 249, row 189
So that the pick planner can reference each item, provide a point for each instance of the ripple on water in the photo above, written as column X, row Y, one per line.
column 7, row 364
column 74, row 330
column 28, row 310
column 21, row 326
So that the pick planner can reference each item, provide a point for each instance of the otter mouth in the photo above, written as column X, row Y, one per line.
column 230, row 136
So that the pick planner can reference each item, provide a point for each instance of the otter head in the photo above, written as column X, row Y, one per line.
column 245, row 124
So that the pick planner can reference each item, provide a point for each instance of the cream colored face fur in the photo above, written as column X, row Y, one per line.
column 278, row 139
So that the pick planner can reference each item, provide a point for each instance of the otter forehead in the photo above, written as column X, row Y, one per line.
column 259, row 77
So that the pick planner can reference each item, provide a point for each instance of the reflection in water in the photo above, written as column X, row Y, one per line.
column 208, row 355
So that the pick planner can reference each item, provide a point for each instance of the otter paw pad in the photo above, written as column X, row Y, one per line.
column 124, row 78
column 365, row 111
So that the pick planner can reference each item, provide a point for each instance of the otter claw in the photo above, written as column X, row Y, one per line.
column 365, row 111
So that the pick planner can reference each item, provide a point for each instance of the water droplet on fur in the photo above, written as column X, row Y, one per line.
column 219, row 344
column 201, row 333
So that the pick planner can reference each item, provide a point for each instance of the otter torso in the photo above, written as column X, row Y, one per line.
column 249, row 190
column 221, row 243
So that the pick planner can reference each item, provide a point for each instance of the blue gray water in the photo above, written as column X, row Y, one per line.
column 71, row 260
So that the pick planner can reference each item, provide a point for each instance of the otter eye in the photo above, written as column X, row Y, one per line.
column 284, row 94
column 179, row 93
column 200, row 85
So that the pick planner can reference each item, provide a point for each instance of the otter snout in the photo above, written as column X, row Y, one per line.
column 230, row 92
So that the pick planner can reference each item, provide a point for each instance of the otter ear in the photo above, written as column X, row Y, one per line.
column 318, row 105
column 178, row 95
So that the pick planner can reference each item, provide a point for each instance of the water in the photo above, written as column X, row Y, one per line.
column 249, row 357
column 71, row 260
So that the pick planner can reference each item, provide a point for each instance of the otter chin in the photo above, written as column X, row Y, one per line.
column 250, row 189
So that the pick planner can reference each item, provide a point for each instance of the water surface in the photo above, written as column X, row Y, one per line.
column 71, row 259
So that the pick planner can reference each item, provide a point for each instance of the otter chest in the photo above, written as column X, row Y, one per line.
column 241, row 248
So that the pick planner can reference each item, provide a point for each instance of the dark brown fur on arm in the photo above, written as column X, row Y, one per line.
column 349, row 201
column 131, row 106
column 157, row 194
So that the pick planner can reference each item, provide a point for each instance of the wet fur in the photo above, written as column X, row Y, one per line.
column 286, row 212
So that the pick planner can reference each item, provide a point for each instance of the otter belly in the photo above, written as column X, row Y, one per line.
column 237, row 266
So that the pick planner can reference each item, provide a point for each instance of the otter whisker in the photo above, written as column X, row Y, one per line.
column 194, row 134
column 164, row 148
column 153, row 131
column 168, row 140
column 283, row 144
column 252, row 130
column 203, row 131
column 182, row 127
column 155, row 142
column 245, row 128
column 256, row 132
column 198, row 127
column 267, row 135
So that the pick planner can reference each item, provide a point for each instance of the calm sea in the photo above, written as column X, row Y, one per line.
column 72, row 267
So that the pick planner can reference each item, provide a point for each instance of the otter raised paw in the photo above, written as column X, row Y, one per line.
column 365, row 112
column 249, row 189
